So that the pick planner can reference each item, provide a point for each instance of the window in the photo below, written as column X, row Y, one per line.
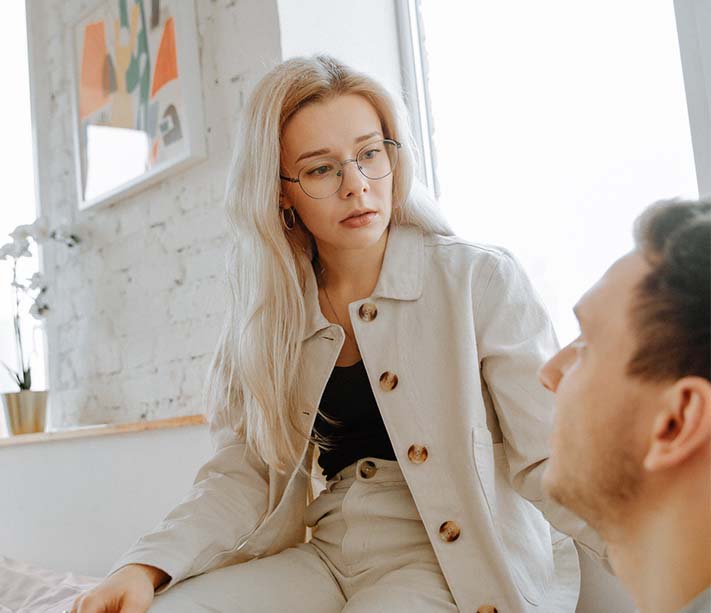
column 18, row 205
column 554, row 124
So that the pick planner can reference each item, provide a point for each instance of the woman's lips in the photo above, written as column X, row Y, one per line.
column 359, row 220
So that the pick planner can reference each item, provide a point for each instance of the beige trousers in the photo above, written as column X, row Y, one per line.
column 369, row 553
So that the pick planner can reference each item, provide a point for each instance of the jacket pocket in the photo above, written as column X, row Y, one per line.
column 521, row 529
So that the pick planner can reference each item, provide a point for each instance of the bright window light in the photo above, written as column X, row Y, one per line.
column 554, row 124
column 18, row 205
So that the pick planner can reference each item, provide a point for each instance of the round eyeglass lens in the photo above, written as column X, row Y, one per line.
column 377, row 160
column 322, row 178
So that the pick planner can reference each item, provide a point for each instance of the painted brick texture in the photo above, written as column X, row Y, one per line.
column 136, row 309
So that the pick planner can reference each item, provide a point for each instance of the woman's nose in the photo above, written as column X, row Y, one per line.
column 353, row 181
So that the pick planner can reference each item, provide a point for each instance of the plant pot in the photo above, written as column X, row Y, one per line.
column 25, row 411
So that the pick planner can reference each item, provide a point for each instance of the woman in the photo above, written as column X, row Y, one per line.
column 364, row 336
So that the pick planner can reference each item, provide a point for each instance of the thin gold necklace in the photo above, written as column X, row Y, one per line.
column 328, row 298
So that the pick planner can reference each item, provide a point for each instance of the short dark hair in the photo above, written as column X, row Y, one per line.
column 670, row 311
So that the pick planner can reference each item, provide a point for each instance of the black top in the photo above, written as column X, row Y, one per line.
column 360, row 432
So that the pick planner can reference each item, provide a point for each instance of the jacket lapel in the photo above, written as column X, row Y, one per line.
column 401, row 276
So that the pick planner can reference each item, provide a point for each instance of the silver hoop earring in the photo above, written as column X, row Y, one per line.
column 293, row 218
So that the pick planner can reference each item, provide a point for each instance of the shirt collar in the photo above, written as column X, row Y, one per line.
column 401, row 275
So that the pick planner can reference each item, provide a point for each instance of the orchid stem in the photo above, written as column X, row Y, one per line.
column 16, row 320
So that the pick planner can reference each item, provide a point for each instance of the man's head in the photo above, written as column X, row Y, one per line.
column 633, row 391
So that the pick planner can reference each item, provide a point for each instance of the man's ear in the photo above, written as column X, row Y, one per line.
column 683, row 426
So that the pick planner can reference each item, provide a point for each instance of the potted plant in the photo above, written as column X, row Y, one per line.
column 26, row 409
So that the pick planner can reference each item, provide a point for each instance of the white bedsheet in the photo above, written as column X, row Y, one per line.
column 24, row 588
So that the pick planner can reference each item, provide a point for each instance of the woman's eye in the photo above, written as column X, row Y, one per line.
column 319, row 170
column 369, row 155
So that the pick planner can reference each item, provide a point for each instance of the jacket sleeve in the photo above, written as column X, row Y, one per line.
column 207, row 529
column 515, row 338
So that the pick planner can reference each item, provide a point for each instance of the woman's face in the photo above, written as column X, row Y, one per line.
column 337, row 129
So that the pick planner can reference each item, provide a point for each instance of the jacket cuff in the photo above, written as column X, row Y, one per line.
column 176, row 568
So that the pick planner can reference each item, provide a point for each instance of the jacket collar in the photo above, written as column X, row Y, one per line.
column 401, row 275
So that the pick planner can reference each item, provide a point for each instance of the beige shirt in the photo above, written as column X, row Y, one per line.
column 459, row 328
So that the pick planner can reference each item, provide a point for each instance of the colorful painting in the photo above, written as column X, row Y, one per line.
column 130, row 92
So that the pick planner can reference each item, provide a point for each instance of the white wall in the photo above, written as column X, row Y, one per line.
column 136, row 309
column 693, row 20
column 362, row 34
column 79, row 504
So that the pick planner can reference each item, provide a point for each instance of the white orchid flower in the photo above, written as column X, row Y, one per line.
column 17, row 249
column 36, row 280
column 22, row 249
column 38, row 310
column 5, row 250
column 40, row 229
column 21, row 233
column 37, row 230
column 66, row 233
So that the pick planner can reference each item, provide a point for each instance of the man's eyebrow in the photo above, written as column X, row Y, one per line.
column 310, row 154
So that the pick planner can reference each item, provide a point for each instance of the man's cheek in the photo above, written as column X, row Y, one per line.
column 557, row 439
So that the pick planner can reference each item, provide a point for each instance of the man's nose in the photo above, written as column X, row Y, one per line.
column 550, row 373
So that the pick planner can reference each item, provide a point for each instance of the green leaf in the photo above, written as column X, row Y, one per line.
column 13, row 374
column 27, row 383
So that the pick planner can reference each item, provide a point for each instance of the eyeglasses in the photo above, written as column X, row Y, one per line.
column 323, row 177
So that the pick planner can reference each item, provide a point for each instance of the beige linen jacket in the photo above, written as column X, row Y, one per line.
column 464, row 332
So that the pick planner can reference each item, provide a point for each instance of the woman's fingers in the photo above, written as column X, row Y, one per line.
column 128, row 590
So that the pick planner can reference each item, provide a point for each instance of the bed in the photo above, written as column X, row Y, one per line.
column 73, row 506
column 25, row 588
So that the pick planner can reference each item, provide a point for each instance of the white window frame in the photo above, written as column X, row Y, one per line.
column 413, row 63
column 694, row 32
column 693, row 23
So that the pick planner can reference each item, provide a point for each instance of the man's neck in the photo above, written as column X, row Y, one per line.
column 665, row 560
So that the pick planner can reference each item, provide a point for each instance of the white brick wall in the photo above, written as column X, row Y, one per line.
column 137, row 308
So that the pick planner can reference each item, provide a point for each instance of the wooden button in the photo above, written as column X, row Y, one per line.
column 449, row 531
column 368, row 311
column 388, row 381
column 487, row 608
column 368, row 469
column 417, row 454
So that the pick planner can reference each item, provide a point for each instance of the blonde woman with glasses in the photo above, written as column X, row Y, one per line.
column 378, row 426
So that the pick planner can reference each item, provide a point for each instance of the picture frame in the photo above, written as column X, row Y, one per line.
column 136, row 96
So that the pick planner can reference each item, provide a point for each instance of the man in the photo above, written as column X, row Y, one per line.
column 631, row 446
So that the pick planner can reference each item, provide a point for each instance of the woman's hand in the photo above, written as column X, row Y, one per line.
column 129, row 590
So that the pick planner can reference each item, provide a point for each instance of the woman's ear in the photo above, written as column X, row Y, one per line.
column 285, row 201
column 683, row 426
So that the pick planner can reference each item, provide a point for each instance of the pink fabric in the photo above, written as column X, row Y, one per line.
column 25, row 588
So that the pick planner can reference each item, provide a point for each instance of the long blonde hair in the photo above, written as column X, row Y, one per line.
column 252, row 385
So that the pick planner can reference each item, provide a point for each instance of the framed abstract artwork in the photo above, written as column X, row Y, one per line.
column 136, row 96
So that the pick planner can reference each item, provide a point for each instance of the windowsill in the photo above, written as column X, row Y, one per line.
column 101, row 430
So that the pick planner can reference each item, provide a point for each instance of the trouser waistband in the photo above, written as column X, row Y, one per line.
column 370, row 469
